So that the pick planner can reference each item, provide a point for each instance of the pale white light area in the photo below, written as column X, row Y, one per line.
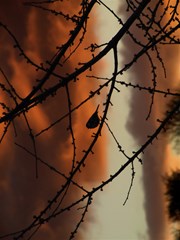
column 111, row 220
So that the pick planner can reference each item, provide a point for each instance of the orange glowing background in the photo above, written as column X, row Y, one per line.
column 21, row 195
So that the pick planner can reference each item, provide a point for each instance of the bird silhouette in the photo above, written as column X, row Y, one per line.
column 94, row 120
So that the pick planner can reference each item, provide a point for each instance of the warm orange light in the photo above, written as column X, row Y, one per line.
column 21, row 194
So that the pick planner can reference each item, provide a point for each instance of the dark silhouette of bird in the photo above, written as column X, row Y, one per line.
column 94, row 120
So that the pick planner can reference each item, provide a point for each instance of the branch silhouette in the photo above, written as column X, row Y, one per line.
column 51, row 105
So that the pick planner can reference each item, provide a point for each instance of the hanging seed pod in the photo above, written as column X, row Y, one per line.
column 94, row 120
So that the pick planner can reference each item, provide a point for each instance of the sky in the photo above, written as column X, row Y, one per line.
column 115, row 221
column 143, row 215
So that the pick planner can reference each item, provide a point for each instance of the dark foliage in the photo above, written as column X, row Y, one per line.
column 173, row 195
column 173, row 126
